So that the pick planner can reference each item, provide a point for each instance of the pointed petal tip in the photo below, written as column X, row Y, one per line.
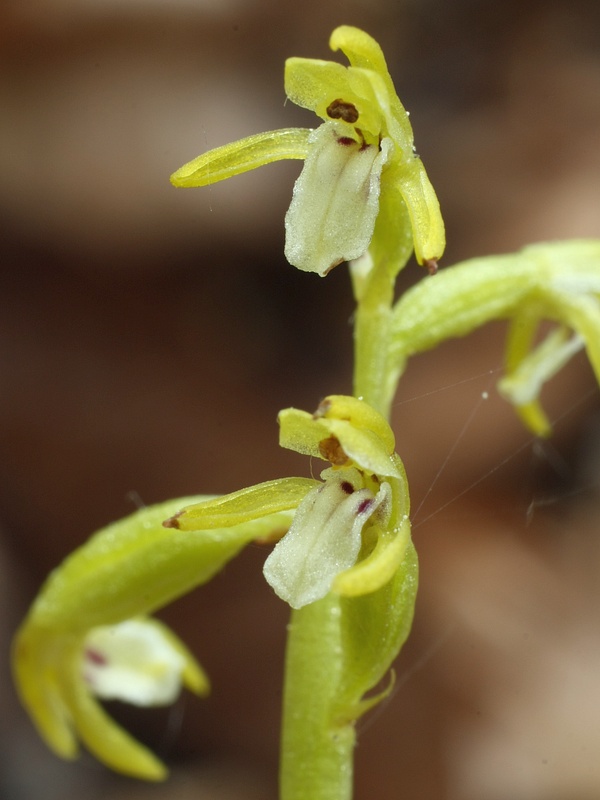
column 196, row 680
column 152, row 771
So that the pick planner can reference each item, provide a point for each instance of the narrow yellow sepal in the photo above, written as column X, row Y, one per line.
column 38, row 688
column 245, row 505
column 361, row 50
column 429, row 233
column 242, row 156
column 102, row 736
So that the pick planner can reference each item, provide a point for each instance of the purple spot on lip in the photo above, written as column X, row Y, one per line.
column 364, row 506
column 96, row 658
column 346, row 140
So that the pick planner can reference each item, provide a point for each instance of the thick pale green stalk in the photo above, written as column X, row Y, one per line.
column 316, row 753
column 339, row 650
column 547, row 278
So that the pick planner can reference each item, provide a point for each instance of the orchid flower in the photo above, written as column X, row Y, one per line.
column 60, row 674
column 351, row 530
column 348, row 568
column 87, row 636
column 359, row 163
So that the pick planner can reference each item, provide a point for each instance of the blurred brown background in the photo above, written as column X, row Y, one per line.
column 148, row 337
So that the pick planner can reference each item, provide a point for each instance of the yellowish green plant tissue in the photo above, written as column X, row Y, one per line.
column 342, row 555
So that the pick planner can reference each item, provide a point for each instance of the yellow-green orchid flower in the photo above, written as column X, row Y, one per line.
column 87, row 635
column 350, row 531
column 59, row 675
column 360, row 162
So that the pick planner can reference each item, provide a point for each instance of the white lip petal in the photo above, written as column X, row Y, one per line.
column 336, row 200
column 132, row 661
column 324, row 539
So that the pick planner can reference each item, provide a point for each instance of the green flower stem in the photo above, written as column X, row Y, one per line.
column 376, row 373
column 318, row 738
column 374, row 379
column 316, row 752
column 339, row 650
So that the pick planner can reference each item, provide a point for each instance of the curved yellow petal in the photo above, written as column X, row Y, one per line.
column 364, row 448
column 429, row 235
column 36, row 682
column 242, row 156
column 101, row 735
column 360, row 49
column 379, row 567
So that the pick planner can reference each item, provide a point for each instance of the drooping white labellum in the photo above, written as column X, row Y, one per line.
column 133, row 661
column 336, row 199
column 324, row 538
